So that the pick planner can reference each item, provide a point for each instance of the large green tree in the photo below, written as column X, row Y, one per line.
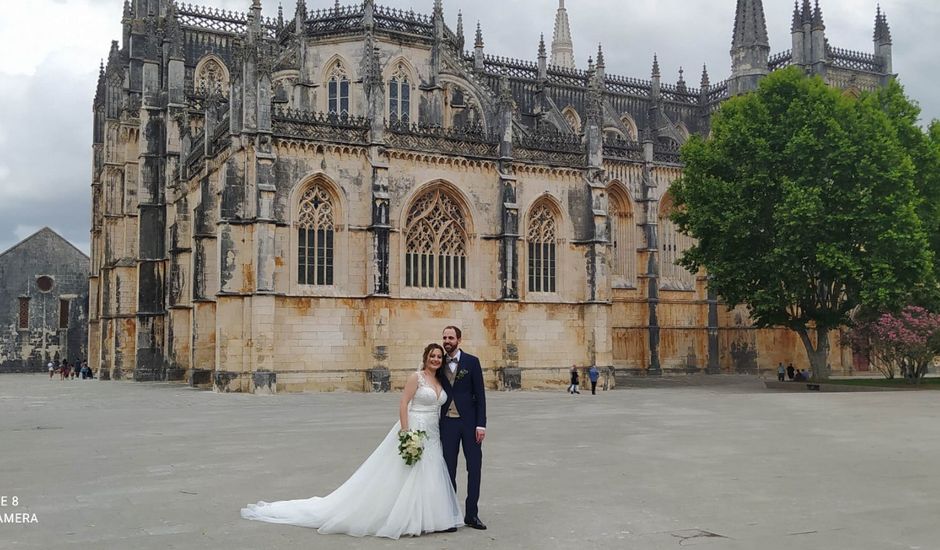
column 804, row 207
column 924, row 150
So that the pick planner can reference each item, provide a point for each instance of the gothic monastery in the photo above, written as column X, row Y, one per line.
column 303, row 203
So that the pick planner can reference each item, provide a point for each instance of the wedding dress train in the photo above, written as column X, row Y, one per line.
column 385, row 497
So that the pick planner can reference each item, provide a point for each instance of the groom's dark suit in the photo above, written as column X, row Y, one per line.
column 462, row 413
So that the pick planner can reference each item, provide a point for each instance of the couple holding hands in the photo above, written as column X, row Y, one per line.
column 408, row 485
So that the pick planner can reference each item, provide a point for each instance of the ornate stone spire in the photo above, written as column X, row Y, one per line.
column 680, row 84
column 818, row 17
column 100, row 90
column 600, row 56
column 883, row 41
column 806, row 15
column 460, row 38
column 797, row 24
column 882, row 30
column 750, row 27
column 114, row 55
column 655, row 73
column 562, row 47
column 174, row 32
column 543, row 59
column 705, row 82
column 478, row 49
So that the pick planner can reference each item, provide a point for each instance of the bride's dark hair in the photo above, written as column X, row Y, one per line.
column 427, row 353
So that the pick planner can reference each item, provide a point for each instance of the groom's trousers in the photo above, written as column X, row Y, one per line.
column 454, row 434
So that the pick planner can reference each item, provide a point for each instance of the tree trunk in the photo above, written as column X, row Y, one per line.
column 818, row 355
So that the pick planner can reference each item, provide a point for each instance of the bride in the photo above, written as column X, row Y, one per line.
column 385, row 497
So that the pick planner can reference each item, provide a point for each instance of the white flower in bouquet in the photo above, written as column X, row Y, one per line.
column 411, row 445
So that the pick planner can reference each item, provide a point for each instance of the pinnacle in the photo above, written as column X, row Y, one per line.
column 818, row 17
column 750, row 27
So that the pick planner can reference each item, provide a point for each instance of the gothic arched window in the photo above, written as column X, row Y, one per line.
column 436, row 243
column 541, row 239
column 315, row 229
column 399, row 96
column 211, row 76
column 672, row 244
column 338, row 91
column 622, row 237
column 630, row 125
column 573, row 119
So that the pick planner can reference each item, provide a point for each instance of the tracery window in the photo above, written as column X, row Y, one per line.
column 436, row 243
column 541, row 238
column 211, row 76
column 315, row 238
column 338, row 91
column 672, row 245
column 399, row 96
column 572, row 117
column 622, row 238
column 630, row 125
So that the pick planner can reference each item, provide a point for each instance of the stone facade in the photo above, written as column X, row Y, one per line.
column 43, row 303
column 283, row 204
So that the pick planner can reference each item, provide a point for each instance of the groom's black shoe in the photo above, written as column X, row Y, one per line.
column 475, row 523
column 451, row 530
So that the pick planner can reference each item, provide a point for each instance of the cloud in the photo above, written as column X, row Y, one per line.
column 46, row 89
column 45, row 170
column 23, row 231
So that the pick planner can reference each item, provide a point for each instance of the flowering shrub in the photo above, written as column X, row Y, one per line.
column 906, row 342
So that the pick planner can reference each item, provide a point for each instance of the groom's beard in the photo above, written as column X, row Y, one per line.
column 450, row 349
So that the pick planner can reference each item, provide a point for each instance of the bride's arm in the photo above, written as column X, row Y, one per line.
column 411, row 386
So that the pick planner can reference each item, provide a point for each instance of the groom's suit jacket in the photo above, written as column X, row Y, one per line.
column 467, row 390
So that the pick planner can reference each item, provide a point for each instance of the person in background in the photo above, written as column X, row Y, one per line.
column 593, row 376
column 573, row 387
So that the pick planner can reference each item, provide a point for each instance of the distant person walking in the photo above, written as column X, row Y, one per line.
column 593, row 376
column 51, row 370
column 781, row 372
column 790, row 371
column 573, row 387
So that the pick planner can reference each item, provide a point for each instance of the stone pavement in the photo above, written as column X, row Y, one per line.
column 118, row 465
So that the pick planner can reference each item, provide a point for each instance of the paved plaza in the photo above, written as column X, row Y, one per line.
column 118, row 465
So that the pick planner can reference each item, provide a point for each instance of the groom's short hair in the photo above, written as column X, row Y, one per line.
column 456, row 331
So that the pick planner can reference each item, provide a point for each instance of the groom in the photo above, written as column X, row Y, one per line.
column 463, row 418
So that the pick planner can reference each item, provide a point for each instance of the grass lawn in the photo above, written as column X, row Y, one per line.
column 926, row 383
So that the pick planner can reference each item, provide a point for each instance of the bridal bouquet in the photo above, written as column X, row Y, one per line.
column 411, row 445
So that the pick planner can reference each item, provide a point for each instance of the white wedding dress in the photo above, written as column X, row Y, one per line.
column 385, row 497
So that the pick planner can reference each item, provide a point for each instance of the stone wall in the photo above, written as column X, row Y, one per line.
column 48, row 334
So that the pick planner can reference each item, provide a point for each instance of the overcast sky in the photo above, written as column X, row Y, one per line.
column 51, row 50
